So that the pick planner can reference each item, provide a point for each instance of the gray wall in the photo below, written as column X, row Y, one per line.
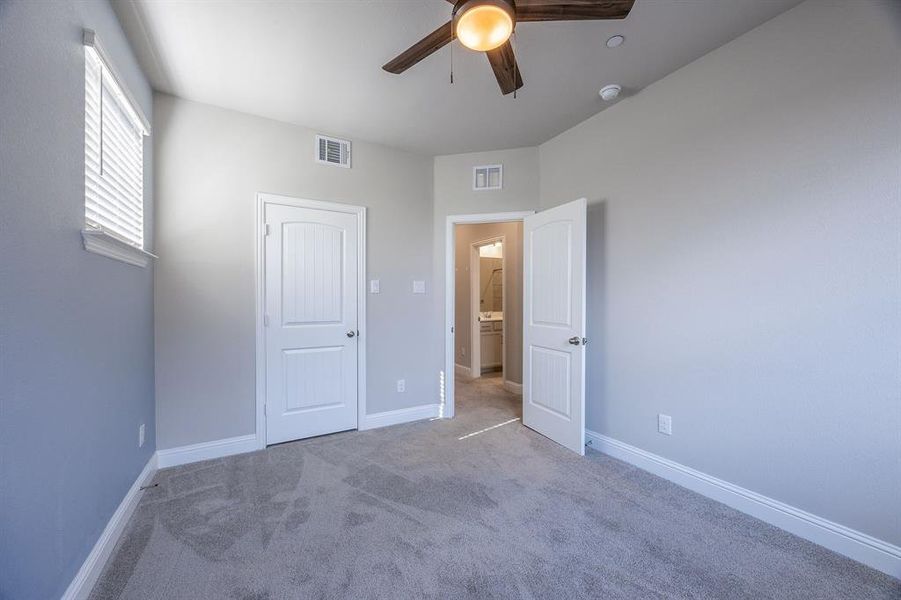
column 465, row 235
column 211, row 164
column 76, row 329
column 453, row 195
column 744, row 261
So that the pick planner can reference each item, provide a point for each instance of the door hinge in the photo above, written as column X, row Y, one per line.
column 452, row 329
column 264, row 410
column 267, row 229
column 265, row 320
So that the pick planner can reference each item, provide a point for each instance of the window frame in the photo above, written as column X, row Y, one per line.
column 96, row 238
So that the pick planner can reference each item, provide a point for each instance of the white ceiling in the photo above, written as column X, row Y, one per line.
column 318, row 64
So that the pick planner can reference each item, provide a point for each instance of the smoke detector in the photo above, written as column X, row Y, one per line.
column 609, row 92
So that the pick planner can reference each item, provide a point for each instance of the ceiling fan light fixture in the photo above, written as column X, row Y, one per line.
column 483, row 25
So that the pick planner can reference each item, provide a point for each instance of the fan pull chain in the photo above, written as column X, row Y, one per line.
column 515, row 62
column 452, row 54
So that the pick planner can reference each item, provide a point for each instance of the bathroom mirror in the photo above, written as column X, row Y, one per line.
column 491, row 278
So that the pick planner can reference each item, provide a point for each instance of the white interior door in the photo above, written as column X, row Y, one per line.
column 554, row 256
column 311, row 322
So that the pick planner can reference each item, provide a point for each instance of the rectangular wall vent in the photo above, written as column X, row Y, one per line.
column 332, row 151
column 488, row 177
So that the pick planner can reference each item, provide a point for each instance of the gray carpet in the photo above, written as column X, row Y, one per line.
column 413, row 511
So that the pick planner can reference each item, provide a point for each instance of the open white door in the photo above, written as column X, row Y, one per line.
column 554, row 256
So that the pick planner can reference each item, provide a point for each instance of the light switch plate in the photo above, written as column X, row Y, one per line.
column 665, row 424
column 418, row 286
column 374, row 286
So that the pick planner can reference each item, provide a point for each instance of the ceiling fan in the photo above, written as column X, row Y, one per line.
column 486, row 26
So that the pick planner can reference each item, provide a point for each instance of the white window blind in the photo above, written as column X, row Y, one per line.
column 114, row 153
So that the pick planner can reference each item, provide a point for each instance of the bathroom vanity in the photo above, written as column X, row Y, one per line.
column 491, row 329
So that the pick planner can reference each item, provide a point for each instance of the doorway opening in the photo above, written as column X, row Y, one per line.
column 484, row 307
column 550, row 354
column 488, row 300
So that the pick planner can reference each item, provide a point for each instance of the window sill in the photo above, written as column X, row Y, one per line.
column 104, row 244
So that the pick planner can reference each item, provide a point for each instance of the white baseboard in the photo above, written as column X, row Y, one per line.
column 462, row 371
column 403, row 415
column 183, row 455
column 90, row 570
column 513, row 387
column 854, row 544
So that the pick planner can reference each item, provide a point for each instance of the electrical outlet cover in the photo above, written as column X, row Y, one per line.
column 665, row 424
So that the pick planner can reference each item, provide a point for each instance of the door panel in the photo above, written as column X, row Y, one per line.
column 551, row 380
column 551, row 303
column 311, row 308
column 309, row 373
column 554, row 257
column 312, row 258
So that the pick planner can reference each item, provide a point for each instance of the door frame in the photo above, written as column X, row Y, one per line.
column 447, row 393
column 262, row 199
column 475, row 326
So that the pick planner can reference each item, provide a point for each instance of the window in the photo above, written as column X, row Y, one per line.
column 488, row 177
column 114, row 156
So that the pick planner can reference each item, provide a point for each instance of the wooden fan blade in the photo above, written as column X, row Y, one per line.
column 572, row 10
column 421, row 49
column 503, row 61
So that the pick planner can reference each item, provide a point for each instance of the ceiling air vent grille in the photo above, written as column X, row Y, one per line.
column 332, row 151
column 488, row 177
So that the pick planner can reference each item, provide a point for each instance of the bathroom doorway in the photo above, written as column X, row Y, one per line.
column 487, row 304
column 487, row 283
column 550, row 285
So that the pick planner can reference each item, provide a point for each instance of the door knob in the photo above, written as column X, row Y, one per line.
column 351, row 334
column 575, row 340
